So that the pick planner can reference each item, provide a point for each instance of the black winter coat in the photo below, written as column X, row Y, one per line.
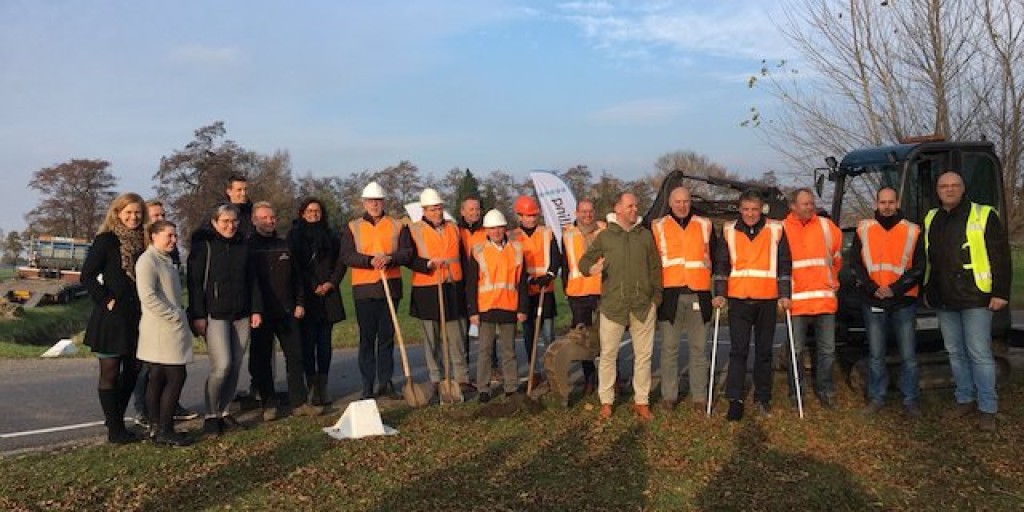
column 227, row 289
column 277, row 274
column 110, row 331
column 317, row 257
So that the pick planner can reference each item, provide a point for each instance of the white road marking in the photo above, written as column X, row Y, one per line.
column 76, row 426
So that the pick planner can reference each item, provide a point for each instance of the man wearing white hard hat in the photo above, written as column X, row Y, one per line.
column 497, row 297
column 372, row 245
column 437, row 260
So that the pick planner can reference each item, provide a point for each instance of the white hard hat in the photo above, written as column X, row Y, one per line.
column 430, row 197
column 373, row 191
column 494, row 219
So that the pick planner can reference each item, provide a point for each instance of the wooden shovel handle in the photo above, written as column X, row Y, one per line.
column 394, row 321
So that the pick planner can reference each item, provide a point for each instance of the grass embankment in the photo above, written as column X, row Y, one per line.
column 43, row 326
column 1017, row 292
column 451, row 458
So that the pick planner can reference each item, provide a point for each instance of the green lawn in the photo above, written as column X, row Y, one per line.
column 456, row 458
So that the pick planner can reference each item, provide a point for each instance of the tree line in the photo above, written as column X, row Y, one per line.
column 189, row 181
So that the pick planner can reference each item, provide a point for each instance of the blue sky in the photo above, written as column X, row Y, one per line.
column 346, row 86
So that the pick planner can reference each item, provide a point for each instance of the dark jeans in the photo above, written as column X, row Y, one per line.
column 376, row 343
column 261, row 355
column 901, row 320
column 746, row 317
column 316, row 346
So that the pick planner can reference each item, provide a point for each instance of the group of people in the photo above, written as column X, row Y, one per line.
column 245, row 283
column 246, row 286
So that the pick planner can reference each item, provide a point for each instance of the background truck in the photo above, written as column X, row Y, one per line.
column 912, row 168
column 52, row 275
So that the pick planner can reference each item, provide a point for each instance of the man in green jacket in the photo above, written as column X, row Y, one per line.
column 630, row 269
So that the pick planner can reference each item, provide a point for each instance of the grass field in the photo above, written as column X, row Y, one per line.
column 1017, row 292
column 458, row 458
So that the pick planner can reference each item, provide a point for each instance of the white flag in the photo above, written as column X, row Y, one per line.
column 556, row 201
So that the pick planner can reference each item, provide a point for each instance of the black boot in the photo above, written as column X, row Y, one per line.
column 113, row 416
column 321, row 389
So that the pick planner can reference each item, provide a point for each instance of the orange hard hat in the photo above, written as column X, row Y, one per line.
column 526, row 205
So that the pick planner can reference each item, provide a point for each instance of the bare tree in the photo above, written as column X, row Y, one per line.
column 880, row 71
column 579, row 179
column 329, row 191
column 75, row 197
column 13, row 247
column 692, row 164
column 193, row 179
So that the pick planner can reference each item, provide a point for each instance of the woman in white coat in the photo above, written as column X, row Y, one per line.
column 165, row 341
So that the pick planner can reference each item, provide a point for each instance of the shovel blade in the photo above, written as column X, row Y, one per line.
column 451, row 392
column 415, row 394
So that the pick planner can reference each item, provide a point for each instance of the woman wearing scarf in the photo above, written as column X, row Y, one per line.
column 316, row 250
column 108, row 274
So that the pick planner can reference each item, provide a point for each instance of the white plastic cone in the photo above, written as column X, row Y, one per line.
column 360, row 419
column 64, row 347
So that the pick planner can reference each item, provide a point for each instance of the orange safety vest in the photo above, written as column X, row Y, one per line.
column 500, row 271
column 685, row 253
column 373, row 239
column 887, row 254
column 437, row 243
column 815, row 248
column 537, row 252
column 755, row 263
column 576, row 284
column 471, row 238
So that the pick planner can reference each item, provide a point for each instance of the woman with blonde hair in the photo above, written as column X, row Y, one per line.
column 108, row 274
column 165, row 341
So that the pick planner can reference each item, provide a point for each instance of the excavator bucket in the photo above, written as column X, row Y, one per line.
column 581, row 344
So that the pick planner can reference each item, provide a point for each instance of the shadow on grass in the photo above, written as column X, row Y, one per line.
column 569, row 471
column 762, row 478
column 240, row 466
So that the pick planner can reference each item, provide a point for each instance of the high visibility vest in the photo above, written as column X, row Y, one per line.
column 373, row 239
column 815, row 248
column 980, row 266
column 498, row 279
column 471, row 238
column 755, row 263
column 437, row 243
column 537, row 253
column 576, row 284
column 888, row 253
column 685, row 253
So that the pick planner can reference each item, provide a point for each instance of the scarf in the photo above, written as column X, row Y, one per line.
column 132, row 244
column 315, row 237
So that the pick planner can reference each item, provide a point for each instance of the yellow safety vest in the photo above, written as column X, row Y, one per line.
column 980, row 266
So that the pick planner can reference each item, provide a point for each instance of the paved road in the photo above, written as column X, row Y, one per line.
column 49, row 402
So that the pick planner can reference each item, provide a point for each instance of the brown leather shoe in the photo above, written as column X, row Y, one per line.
column 606, row 412
column 643, row 411
column 961, row 411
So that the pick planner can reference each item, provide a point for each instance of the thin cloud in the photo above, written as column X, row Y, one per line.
column 735, row 29
column 643, row 111
column 199, row 54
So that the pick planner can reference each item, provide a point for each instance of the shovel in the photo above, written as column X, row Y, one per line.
column 414, row 393
column 714, row 354
column 536, row 341
column 450, row 390
column 796, row 370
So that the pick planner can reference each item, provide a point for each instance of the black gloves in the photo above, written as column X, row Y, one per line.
column 543, row 280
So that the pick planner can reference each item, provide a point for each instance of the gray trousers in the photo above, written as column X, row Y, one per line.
column 689, row 319
column 505, row 334
column 226, row 342
column 434, row 351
